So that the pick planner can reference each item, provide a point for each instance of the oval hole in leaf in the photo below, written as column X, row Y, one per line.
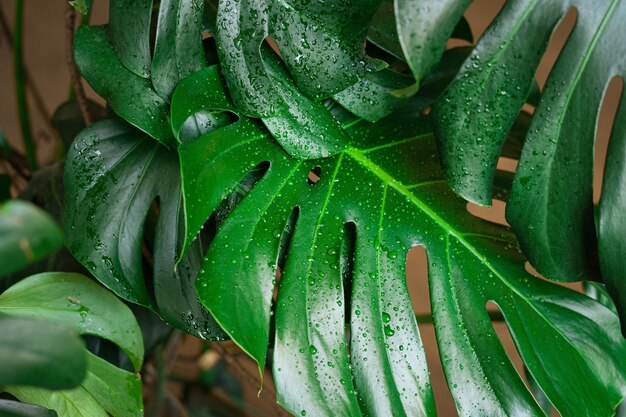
column 283, row 247
column 314, row 175
column 493, row 214
column 502, row 330
column 417, row 283
column 347, row 271
column 557, row 41
column 604, row 127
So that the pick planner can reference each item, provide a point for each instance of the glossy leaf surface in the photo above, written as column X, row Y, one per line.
column 82, row 305
column 27, row 234
column 550, row 207
column 349, row 234
column 115, row 178
column 178, row 46
column 611, row 227
column 424, row 28
column 136, row 101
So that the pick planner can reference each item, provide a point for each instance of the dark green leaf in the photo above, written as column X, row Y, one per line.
column 378, row 94
column 40, row 353
column 318, row 59
column 178, row 47
column 383, row 33
column 79, row 303
column 83, row 6
column 611, row 224
column 16, row 409
column 130, row 95
column 424, row 29
column 129, row 21
column 551, row 206
column 68, row 119
column 113, row 176
column 27, row 234
column 307, row 130
column 381, row 197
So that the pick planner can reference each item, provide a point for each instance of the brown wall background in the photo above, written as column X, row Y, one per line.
column 45, row 59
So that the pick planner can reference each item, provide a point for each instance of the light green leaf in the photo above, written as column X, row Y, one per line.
column 79, row 303
column 27, row 234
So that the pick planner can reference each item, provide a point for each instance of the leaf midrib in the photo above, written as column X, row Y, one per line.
column 359, row 157
column 371, row 166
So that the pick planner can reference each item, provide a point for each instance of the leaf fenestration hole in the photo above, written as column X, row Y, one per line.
column 604, row 127
column 576, row 286
column 283, row 247
column 561, row 33
column 314, row 175
column 493, row 214
column 503, row 332
column 417, row 284
column 346, row 266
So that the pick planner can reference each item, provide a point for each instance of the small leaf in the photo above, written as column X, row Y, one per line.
column 82, row 6
column 17, row 409
column 60, row 362
column 68, row 119
column 27, row 234
column 77, row 302
column 424, row 29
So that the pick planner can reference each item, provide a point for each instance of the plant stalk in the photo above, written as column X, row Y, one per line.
column 20, row 87
column 77, row 86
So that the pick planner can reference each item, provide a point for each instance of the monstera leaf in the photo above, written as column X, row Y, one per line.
column 340, row 245
column 323, row 47
column 119, row 54
column 76, row 302
column 121, row 185
column 550, row 208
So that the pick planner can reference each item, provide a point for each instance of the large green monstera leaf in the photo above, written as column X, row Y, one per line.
column 346, row 340
column 114, row 177
column 550, row 208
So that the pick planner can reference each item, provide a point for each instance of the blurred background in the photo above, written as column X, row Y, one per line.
column 203, row 379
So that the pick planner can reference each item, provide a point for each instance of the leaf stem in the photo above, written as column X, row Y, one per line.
column 20, row 87
column 77, row 86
